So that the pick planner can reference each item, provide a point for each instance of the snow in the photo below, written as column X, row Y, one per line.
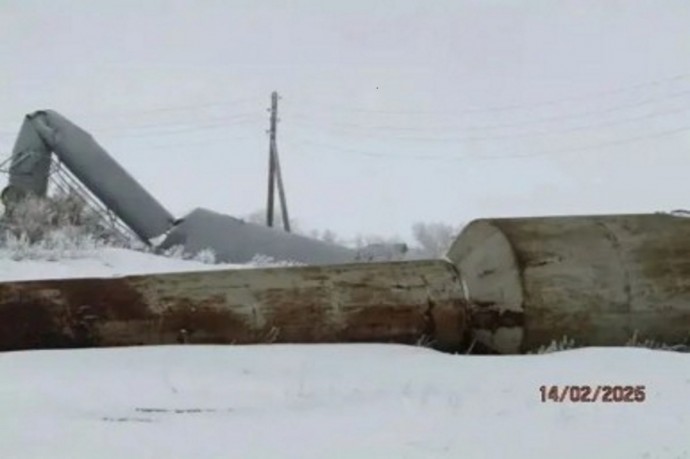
column 99, row 262
column 335, row 401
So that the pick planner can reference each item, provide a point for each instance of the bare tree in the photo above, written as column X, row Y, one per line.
column 364, row 240
column 329, row 236
column 433, row 239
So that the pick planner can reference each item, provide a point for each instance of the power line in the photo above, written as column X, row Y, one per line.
column 498, row 108
column 227, row 119
column 241, row 101
column 513, row 107
column 189, row 107
column 598, row 146
column 180, row 145
column 165, row 109
column 530, row 122
column 180, row 130
column 171, row 128
column 526, row 135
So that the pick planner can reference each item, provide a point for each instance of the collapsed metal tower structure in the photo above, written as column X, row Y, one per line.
column 110, row 189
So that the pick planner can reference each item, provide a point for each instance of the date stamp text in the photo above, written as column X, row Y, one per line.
column 592, row 394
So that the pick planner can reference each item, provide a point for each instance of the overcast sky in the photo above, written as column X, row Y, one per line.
column 392, row 112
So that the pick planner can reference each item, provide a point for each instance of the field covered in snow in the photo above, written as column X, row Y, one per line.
column 101, row 262
column 335, row 401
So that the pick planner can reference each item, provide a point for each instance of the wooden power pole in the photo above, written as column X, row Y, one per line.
column 274, row 173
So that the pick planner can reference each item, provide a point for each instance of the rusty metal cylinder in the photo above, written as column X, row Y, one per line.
column 396, row 302
column 597, row 280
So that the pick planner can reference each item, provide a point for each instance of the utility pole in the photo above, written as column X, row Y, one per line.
column 274, row 172
column 271, row 158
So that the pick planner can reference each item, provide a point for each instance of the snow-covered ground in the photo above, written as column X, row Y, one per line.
column 100, row 262
column 335, row 401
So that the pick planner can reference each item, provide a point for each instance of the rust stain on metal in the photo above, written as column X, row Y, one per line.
column 199, row 323
column 398, row 323
column 595, row 279
column 387, row 302
column 60, row 313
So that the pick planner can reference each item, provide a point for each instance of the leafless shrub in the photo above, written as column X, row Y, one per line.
column 206, row 256
column 59, row 226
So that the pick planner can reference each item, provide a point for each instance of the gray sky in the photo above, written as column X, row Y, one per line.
column 392, row 112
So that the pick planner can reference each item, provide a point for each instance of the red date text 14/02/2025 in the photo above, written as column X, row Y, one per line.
column 592, row 394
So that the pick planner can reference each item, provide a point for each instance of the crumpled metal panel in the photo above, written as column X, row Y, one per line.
column 237, row 241
column 598, row 280
column 399, row 302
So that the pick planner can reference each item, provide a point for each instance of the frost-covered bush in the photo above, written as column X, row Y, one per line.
column 30, row 219
column 635, row 341
column 71, row 210
column 566, row 343
column 176, row 252
column 206, row 256
column 563, row 345
column 265, row 261
column 56, row 244
column 51, row 228
column 33, row 217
